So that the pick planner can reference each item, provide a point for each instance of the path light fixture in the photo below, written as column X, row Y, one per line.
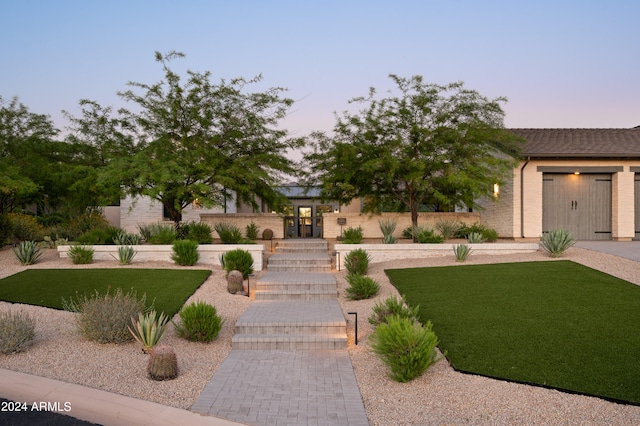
column 249, row 284
column 336, row 254
column 356, row 314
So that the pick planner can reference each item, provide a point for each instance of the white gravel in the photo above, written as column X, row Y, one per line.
column 441, row 396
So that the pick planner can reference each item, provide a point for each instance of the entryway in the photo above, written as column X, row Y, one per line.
column 579, row 203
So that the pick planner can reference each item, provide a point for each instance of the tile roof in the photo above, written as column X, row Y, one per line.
column 596, row 143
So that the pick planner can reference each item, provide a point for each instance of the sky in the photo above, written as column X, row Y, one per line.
column 560, row 63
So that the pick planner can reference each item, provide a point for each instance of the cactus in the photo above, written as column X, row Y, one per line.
column 234, row 282
column 267, row 234
column 163, row 363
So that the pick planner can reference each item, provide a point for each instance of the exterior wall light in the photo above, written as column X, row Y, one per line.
column 496, row 189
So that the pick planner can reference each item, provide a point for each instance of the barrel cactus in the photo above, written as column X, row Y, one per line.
column 163, row 363
column 234, row 282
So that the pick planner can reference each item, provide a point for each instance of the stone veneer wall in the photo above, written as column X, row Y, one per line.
column 264, row 220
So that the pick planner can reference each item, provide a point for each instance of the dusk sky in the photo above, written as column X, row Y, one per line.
column 560, row 63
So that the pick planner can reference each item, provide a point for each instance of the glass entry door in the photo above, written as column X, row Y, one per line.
column 305, row 222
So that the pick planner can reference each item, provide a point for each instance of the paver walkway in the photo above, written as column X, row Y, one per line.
column 289, row 364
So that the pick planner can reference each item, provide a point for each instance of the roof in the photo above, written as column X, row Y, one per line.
column 595, row 143
column 297, row 191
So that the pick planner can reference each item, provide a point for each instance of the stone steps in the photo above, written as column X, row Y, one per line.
column 302, row 246
column 297, row 342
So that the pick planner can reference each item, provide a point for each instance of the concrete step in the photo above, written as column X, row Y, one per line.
column 291, row 327
column 295, row 295
column 296, row 342
column 288, row 286
column 300, row 259
column 302, row 246
column 299, row 268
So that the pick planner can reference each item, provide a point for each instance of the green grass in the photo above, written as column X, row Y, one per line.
column 555, row 324
column 169, row 289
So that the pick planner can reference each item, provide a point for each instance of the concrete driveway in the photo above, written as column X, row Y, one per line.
column 626, row 249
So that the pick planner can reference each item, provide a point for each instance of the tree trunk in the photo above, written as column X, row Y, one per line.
column 414, row 217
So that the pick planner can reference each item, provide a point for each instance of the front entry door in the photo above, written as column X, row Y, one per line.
column 305, row 222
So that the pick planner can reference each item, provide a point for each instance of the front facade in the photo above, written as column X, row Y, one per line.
column 586, row 181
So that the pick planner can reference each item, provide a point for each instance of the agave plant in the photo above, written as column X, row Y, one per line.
column 557, row 241
column 148, row 329
column 27, row 252
column 461, row 252
column 125, row 255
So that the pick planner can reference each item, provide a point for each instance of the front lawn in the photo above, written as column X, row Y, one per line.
column 557, row 324
column 168, row 289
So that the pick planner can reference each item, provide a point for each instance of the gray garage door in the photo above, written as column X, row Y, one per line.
column 581, row 204
column 636, row 204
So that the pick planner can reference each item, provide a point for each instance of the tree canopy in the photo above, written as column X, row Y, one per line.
column 194, row 140
column 436, row 145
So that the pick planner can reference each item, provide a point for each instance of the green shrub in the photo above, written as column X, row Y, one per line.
column 448, row 228
column 251, row 231
column 148, row 329
column 85, row 222
column 361, row 287
column 145, row 230
column 388, row 227
column 357, row 262
column 52, row 219
column 27, row 252
column 228, row 233
column 199, row 322
column 80, row 255
column 238, row 260
column 198, row 231
column 489, row 234
column 390, row 307
column 163, row 363
column 461, row 251
column 17, row 331
column 6, row 229
column 427, row 236
column 475, row 238
column 185, row 252
column 408, row 232
column 123, row 238
column 101, row 235
column 352, row 235
column 162, row 233
column 556, row 242
column 125, row 255
column 105, row 318
column 25, row 227
column 406, row 347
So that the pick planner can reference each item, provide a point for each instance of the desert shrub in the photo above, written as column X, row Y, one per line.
column 5, row 229
column 162, row 233
column 105, row 318
column 101, row 235
column 238, row 260
column 199, row 322
column 427, row 236
column 163, row 363
column 198, row 231
column 251, row 231
column 148, row 329
column 124, row 238
column 80, row 255
column 405, row 346
column 390, row 307
column 52, row 219
column 185, row 252
column 475, row 238
column 125, row 255
column 145, row 230
column 267, row 234
column 448, row 228
column 27, row 252
column 556, row 242
column 228, row 233
column 361, row 287
column 388, row 227
column 357, row 262
column 17, row 330
column 461, row 251
column 352, row 235
column 407, row 232
column 25, row 227
column 85, row 222
column 489, row 234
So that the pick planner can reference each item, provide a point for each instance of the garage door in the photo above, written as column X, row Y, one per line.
column 637, row 204
column 579, row 203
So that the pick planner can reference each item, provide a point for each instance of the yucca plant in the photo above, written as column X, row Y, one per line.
column 125, row 255
column 357, row 262
column 388, row 227
column 557, row 241
column 448, row 228
column 228, row 233
column 185, row 252
column 148, row 329
column 27, row 252
column 461, row 251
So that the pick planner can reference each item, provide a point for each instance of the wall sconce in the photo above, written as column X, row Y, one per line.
column 496, row 189
column 576, row 173
column 336, row 210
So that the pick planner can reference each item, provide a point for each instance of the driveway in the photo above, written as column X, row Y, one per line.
column 626, row 249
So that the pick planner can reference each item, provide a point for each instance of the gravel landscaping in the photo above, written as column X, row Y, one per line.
column 441, row 396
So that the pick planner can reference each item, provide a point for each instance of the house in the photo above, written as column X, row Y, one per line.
column 586, row 181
